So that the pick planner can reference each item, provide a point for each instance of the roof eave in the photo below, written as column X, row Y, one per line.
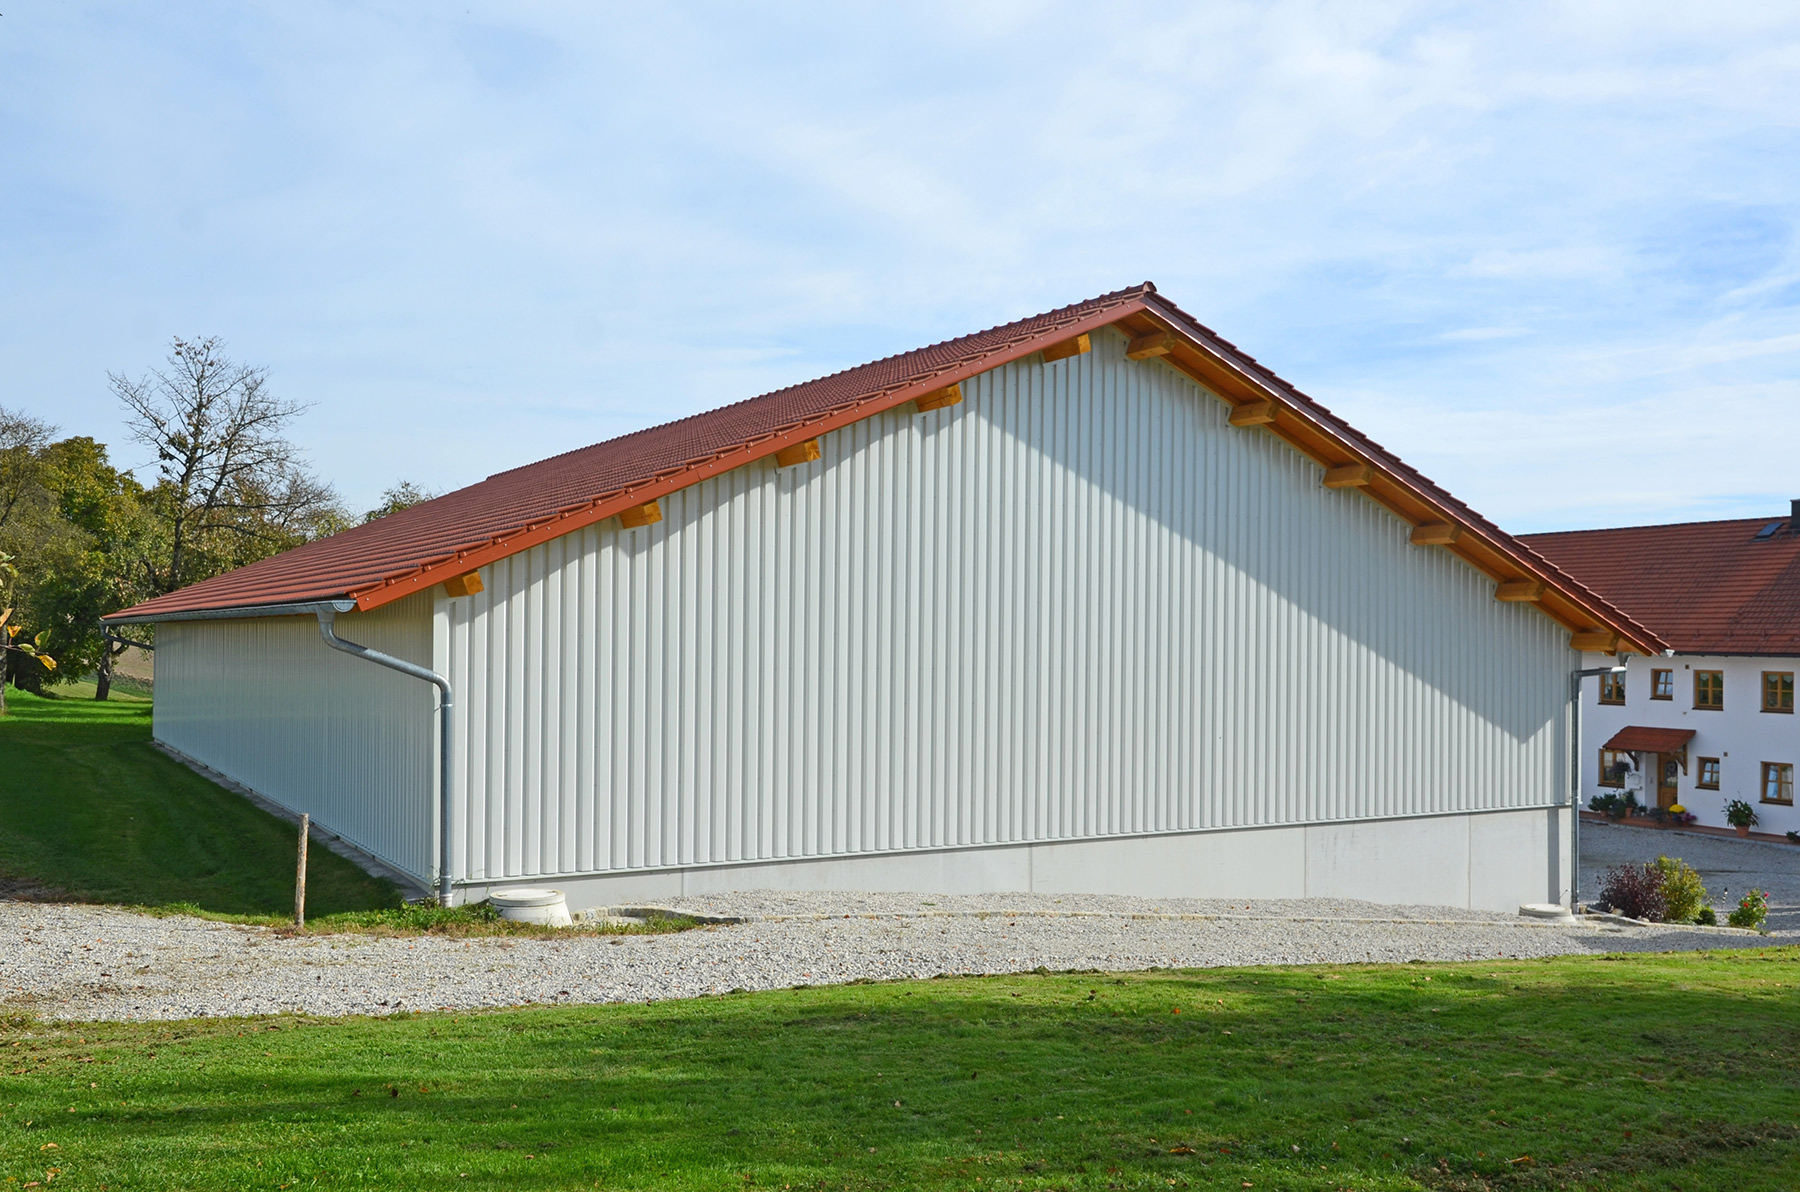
column 1252, row 382
column 303, row 608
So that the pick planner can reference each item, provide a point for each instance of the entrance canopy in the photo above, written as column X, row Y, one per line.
column 1635, row 738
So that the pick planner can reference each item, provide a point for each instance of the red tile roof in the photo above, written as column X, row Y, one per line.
column 1704, row 587
column 512, row 511
column 1636, row 738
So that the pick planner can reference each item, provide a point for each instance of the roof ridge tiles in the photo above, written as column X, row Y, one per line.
column 1115, row 297
column 1762, row 520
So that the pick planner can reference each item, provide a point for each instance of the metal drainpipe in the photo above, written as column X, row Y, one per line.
column 1575, row 764
column 326, row 616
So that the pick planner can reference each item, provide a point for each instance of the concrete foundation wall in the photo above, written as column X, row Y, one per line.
column 1485, row 861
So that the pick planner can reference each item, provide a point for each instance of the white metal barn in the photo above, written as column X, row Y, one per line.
column 1088, row 602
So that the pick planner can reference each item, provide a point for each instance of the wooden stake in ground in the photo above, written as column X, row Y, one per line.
column 300, row 876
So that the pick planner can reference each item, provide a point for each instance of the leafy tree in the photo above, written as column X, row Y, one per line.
column 102, row 573
column 76, row 528
column 29, row 529
column 10, row 645
column 21, row 438
column 231, row 486
column 403, row 495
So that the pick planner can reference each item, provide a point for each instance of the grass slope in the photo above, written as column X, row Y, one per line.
column 89, row 809
column 1658, row 1072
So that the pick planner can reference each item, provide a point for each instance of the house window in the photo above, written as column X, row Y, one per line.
column 1709, row 690
column 1613, row 764
column 1778, row 782
column 1778, row 691
column 1709, row 774
column 1612, row 688
column 1662, row 684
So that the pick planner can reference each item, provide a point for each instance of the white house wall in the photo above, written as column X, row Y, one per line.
column 1078, row 604
column 1741, row 735
column 267, row 703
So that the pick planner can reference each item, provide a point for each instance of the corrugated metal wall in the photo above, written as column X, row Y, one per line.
column 352, row 744
column 1077, row 604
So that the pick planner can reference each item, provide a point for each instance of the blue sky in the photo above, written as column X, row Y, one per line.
column 1547, row 253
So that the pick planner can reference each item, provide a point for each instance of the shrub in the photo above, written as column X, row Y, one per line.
column 1634, row 891
column 1682, row 892
column 1752, row 910
column 1707, row 917
column 1793, row 837
column 1614, row 806
column 1740, row 814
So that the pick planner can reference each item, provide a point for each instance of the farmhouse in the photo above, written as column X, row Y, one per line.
column 1087, row 602
column 1714, row 722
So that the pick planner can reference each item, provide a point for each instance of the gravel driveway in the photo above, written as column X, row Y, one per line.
column 1728, row 866
column 81, row 962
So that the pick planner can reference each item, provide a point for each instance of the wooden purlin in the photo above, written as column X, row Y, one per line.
column 1315, row 438
column 372, row 596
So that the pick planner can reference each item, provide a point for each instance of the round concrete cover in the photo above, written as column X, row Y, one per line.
column 1547, row 910
column 524, row 896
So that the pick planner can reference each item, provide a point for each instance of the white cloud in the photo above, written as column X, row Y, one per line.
column 1509, row 238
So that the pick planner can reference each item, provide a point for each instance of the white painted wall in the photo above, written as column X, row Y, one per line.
column 1077, row 605
column 1741, row 735
column 267, row 703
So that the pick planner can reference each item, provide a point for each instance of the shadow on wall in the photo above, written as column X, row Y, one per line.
column 1333, row 562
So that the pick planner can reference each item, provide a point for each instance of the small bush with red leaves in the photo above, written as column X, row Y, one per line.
column 1635, row 891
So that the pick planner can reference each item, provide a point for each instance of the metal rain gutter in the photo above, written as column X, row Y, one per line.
column 326, row 614
column 302, row 609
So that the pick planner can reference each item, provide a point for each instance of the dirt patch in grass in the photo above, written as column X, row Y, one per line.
column 24, row 889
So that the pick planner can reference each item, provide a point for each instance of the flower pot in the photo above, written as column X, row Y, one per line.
column 1742, row 829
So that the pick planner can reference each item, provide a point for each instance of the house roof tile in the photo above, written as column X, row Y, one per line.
column 1714, row 587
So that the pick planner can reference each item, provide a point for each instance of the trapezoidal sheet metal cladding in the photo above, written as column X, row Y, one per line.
column 1077, row 604
column 265, row 702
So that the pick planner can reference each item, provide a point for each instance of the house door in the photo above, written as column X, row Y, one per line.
column 1667, row 771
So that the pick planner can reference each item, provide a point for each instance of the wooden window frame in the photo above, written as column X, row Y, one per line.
column 1662, row 683
column 1614, row 682
column 1608, row 757
column 1700, row 782
column 1783, row 772
column 1704, row 707
column 1781, row 696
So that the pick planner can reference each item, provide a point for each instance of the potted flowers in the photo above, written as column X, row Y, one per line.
column 1672, row 816
column 1740, row 815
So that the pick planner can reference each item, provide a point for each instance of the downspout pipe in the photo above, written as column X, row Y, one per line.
column 1575, row 764
column 326, row 616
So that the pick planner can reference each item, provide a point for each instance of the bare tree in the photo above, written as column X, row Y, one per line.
column 232, row 487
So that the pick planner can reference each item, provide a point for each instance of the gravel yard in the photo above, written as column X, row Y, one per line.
column 1727, row 866
column 83, row 962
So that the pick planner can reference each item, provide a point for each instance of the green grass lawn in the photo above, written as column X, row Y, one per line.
column 1664, row 1072
column 89, row 809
